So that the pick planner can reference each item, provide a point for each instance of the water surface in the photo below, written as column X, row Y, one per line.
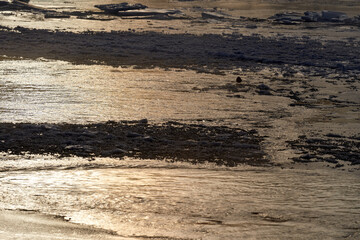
column 144, row 198
column 147, row 198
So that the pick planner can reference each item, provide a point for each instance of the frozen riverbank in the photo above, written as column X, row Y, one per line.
column 220, row 94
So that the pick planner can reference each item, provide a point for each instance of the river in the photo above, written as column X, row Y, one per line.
column 312, row 198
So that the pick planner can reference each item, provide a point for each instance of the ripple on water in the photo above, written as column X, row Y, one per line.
column 151, row 198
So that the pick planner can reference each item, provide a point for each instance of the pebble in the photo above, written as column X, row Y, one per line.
column 339, row 165
column 246, row 145
column 332, row 135
column 264, row 92
column 251, row 26
column 263, row 87
column 307, row 156
column 143, row 121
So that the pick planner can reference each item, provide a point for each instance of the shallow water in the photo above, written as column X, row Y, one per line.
column 149, row 198
column 55, row 91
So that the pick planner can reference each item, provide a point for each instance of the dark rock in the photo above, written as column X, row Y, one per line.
column 56, row 15
column 333, row 16
column 143, row 121
column 79, row 148
column 251, row 26
column 302, row 160
column 311, row 16
column 308, row 156
column 23, row 5
column 332, row 135
column 4, row 3
column 148, row 139
column 287, row 17
column 120, row 145
column 313, row 140
column 147, row 12
column 331, row 160
column 238, row 79
column 339, row 165
column 195, row 143
column 324, row 16
column 115, row 8
column 246, row 145
column 117, row 151
column 133, row 135
column 356, row 162
column 213, row 15
column 264, row 92
column 263, row 87
column 237, row 96
column 215, row 144
column 294, row 95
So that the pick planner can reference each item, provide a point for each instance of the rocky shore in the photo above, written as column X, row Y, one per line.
column 210, row 52
column 171, row 141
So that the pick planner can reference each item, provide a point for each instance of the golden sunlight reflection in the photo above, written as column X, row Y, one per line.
column 201, row 119
column 170, row 201
column 60, row 92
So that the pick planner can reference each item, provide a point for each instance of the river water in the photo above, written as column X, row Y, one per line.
column 138, row 198
column 145, row 199
column 179, row 201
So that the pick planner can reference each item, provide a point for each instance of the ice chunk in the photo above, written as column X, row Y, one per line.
column 333, row 16
column 147, row 12
column 287, row 16
column 213, row 15
column 311, row 16
column 115, row 8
